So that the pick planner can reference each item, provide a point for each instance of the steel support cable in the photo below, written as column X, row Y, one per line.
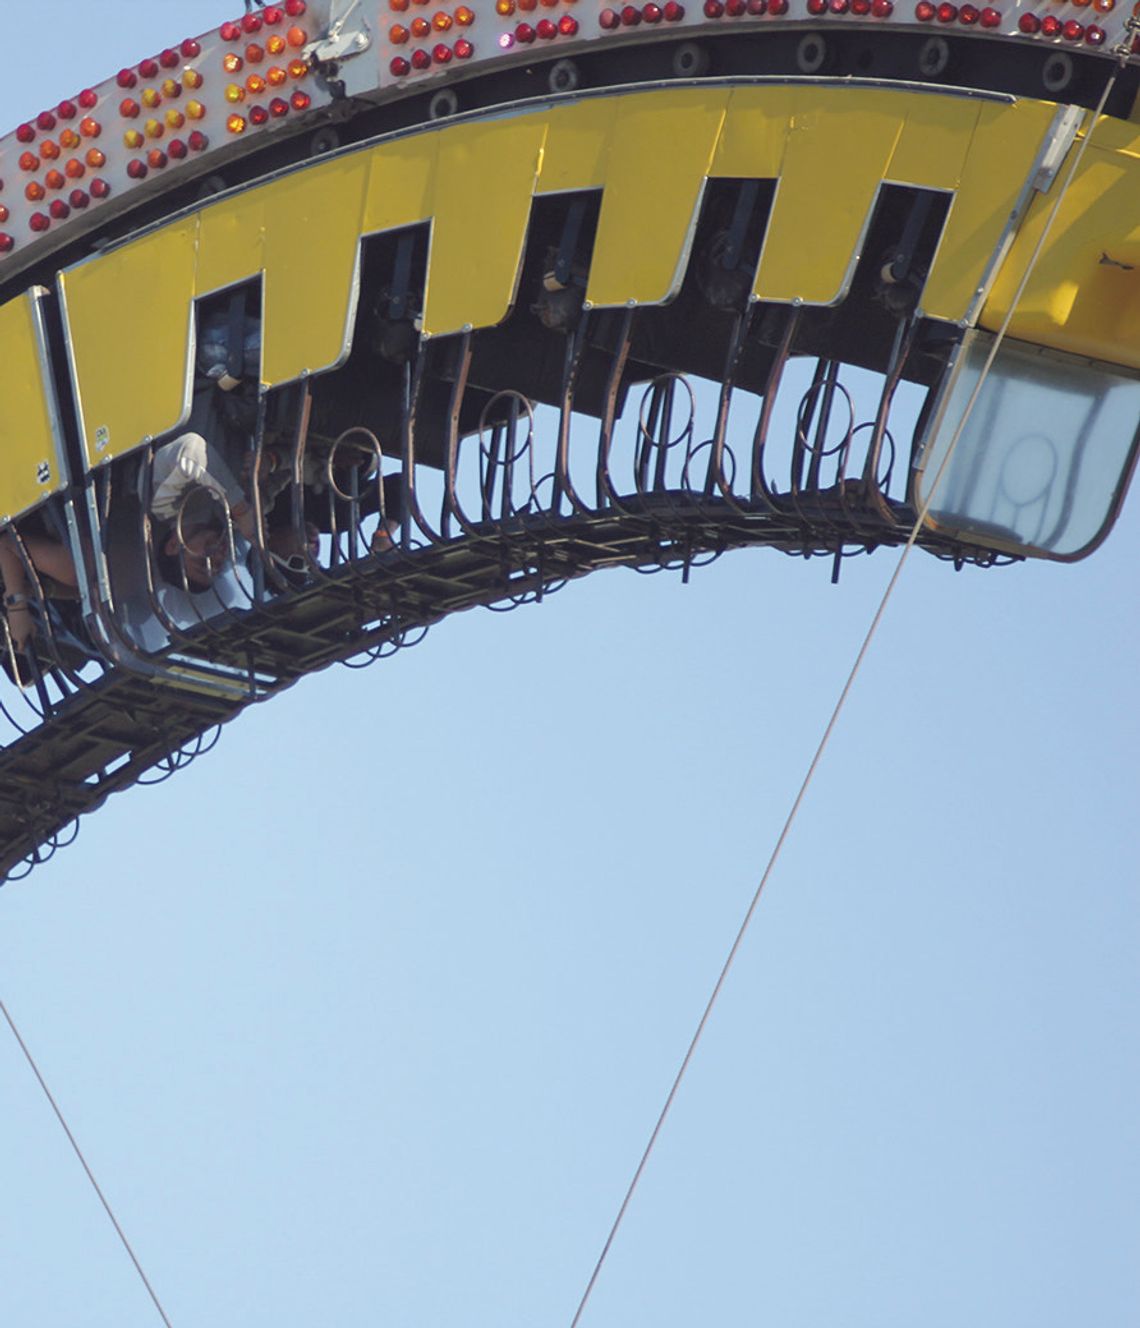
column 869, row 636
column 83, row 1163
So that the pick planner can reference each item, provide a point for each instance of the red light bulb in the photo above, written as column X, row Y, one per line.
column 100, row 189
column 464, row 49
column 78, row 199
column 39, row 221
column 197, row 141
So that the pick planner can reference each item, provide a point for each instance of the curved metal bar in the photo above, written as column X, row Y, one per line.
column 760, row 490
column 412, row 510
column 563, row 484
column 209, row 622
column 359, row 551
column 452, row 506
column 715, row 478
column 900, row 353
column 655, row 441
column 819, row 396
column 606, row 494
column 491, row 464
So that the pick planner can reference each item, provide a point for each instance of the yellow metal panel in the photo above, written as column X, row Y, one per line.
column 27, row 438
column 754, row 134
column 577, row 136
column 838, row 149
column 935, row 140
column 1118, row 135
column 303, row 232
column 401, row 180
column 484, row 184
column 231, row 245
column 128, row 315
column 659, row 154
column 1084, row 294
column 312, row 245
column 1003, row 148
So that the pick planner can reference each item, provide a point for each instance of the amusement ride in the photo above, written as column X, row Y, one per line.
column 480, row 383
column 479, row 298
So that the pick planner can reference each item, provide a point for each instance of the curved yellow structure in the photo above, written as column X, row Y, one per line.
column 761, row 233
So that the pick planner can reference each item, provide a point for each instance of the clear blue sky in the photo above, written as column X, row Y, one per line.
column 365, row 1018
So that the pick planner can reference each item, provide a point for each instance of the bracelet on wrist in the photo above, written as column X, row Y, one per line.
column 15, row 601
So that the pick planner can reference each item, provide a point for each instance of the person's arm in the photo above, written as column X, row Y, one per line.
column 191, row 462
column 52, row 558
column 17, row 605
